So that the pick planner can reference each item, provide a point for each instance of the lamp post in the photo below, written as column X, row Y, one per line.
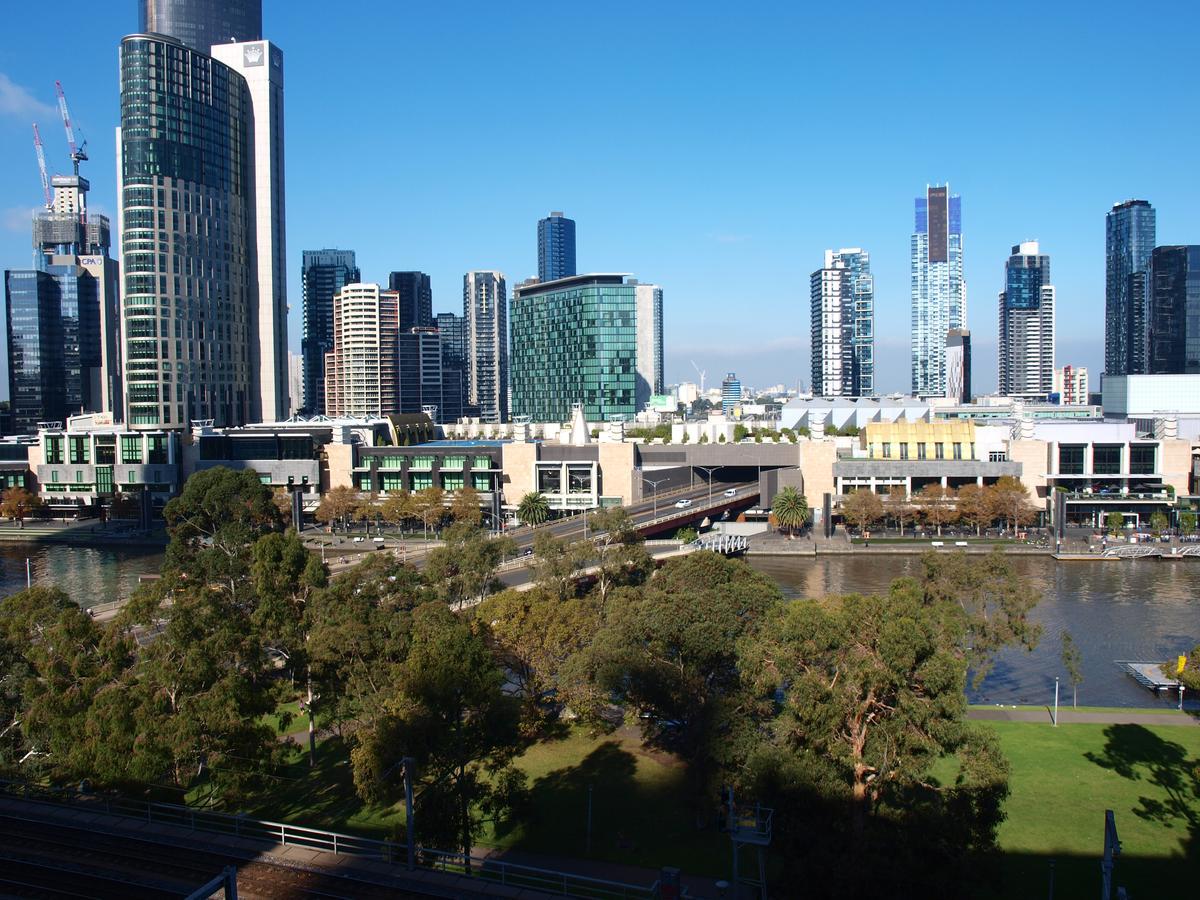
column 709, row 471
column 1056, row 702
column 654, row 485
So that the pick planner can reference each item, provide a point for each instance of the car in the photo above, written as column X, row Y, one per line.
column 359, row 539
column 731, row 492
column 683, row 504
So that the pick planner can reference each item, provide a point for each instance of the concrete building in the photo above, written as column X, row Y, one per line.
column 360, row 372
column 323, row 273
column 419, row 369
column 594, row 340
column 1027, row 325
column 815, row 414
column 1150, row 396
column 485, row 344
column 296, row 383
column 939, row 294
column 1071, row 385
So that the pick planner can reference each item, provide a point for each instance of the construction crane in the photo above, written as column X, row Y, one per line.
column 41, row 155
column 701, row 373
column 78, row 154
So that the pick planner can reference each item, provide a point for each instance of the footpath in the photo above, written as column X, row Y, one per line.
column 1067, row 716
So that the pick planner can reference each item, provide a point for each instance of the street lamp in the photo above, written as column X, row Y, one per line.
column 654, row 495
column 709, row 471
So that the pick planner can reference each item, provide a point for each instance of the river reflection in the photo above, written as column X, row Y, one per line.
column 90, row 575
column 1118, row 610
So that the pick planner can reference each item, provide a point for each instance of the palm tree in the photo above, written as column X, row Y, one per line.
column 790, row 510
column 534, row 508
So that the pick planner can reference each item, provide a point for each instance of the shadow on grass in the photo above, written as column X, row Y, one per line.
column 1025, row 875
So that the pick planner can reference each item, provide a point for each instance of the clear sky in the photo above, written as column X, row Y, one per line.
column 714, row 149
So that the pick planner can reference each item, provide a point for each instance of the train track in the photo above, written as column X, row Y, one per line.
column 59, row 860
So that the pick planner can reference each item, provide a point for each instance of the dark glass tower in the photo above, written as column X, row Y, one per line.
column 322, row 273
column 452, row 335
column 1129, row 230
column 1027, row 324
column 1174, row 342
column 416, row 299
column 556, row 247
column 202, row 23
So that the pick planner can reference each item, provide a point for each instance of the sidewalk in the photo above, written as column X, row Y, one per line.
column 1068, row 716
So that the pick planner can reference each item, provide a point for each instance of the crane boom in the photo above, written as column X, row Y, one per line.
column 41, row 158
column 78, row 154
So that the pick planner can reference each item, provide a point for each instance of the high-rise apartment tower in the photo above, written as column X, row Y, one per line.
column 939, row 294
column 360, row 372
column 556, row 247
column 1174, row 327
column 1129, row 243
column 485, row 343
column 1027, row 325
column 842, row 316
column 322, row 274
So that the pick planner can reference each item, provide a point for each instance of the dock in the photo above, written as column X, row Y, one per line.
column 1148, row 674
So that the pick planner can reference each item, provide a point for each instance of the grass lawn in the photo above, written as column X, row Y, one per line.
column 1063, row 779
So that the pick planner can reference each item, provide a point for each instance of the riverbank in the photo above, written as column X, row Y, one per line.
column 87, row 533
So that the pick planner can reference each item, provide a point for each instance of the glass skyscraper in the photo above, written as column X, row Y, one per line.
column 556, row 247
column 731, row 393
column 1129, row 242
column 202, row 23
column 1027, row 325
column 485, row 344
column 1174, row 342
column 589, row 339
column 452, row 336
column 322, row 274
column 416, row 299
column 842, row 317
column 939, row 296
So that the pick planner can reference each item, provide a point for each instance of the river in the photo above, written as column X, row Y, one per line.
column 90, row 575
column 1119, row 610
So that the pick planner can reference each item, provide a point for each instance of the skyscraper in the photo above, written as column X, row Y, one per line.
column 939, row 295
column 1174, row 327
column 202, row 23
column 416, row 299
column 452, row 336
column 958, row 365
column 485, row 344
column 731, row 393
column 590, row 339
column 322, row 274
column 419, row 368
column 556, row 247
column 1071, row 385
column 1129, row 242
column 360, row 372
column 842, row 317
column 1027, row 325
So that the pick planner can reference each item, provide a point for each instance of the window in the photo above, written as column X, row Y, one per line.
column 54, row 450
column 420, row 482
column 957, row 450
column 481, row 482
column 79, row 476
column 131, row 448
column 453, row 462
column 157, row 445
column 364, row 483
column 904, row 451
column 997, row 456
column 421, row 463
column 939, row 451
column 391, row 462
column 452, row 482
column 920, row 451
column 1142, row 459
column 481, row 462
column 1070, row 459
column 54, row 475
column 887, row 450
column 1106, row 459
column 79, row 450
column 392, row 482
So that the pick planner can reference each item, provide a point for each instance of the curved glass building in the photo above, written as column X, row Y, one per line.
column 202, row 23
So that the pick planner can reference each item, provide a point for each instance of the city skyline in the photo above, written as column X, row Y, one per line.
column 731, row 248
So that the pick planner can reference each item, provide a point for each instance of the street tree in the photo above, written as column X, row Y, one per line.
column 1159, row 522
column 1187, row 521
column 337, row 506
column 1011, row 502
column 936, row 506
column 862, row 508
column 464, row 508
column 617, row 550
column 1072, row 661
column 897, row 506
column 221, row 501
column 398, row 508
column 430, row 504
column 534, row 508
column 976, row 506
column 463, row 570
column 556, row 564
column 790, row 510
column 1114, row 522
column 19, row 504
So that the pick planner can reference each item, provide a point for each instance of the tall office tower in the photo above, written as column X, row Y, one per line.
column 485, row 343
column 842, row 314
column 1174, row 327
column 731, row 393
column 1027, row 325
column 1129, row 242
column 62, row 316
column 322, row 274
column 295, row 383
column 590, row 339
column 360, row 371
column 958, row 365
column 939, row 294
column 260, row 63
column 416, row 299
column 201, row 23
column 1071, row 385
column 556, row 247
column 452, row 336
column 419, row 368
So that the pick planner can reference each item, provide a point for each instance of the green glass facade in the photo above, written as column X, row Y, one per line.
column 589, row 340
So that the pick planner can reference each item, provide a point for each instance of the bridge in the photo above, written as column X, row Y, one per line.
column 725, row 544
column 1134, row 551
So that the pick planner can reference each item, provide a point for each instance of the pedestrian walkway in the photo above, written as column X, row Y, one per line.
column 1067, row 716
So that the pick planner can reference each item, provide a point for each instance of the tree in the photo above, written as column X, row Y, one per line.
column 534, row 508
column 686, row 535
column 556, row 564
column 790, row 510
column 366, row 510
column 976, row 506
column 935, row 504
column 448, row 710
column 464, row 508
column 19, row 504
column 897, row 505
column 1114, row 522
column 398, row 508
column 1011, row 500
column 740, row 433
column 337, row 506
column 1072, row 661
column 862, row 508
column 618, row 549
column 218, row 500
column 1187, row 522
column 1159, row 522
column 430, row 504
column 463, row 570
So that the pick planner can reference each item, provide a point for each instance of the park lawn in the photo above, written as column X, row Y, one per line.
column 1063, row 779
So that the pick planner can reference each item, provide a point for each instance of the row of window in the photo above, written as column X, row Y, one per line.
column 939, row 450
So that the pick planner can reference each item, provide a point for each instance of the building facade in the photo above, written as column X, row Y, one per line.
column 485, row 343
column 958, row 365
column 1027, row 325
column 452, row 335
column 1071, row 385
column 594, row 340
column 416, row 299
column 360, row 372
column 1129, row 243
column 939, row 294
column 1174, row 321
column 322, row 274
column 731, row 394
column 842, row 318
column 201, row 23
column 419, row 367
column 556, row 247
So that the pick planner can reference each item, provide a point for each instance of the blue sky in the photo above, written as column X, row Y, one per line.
column 712, row 149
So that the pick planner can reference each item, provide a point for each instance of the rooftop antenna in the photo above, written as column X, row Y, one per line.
column 78, row 154
column 41, row 158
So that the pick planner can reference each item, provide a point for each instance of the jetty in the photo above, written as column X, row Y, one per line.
column 1148, row 674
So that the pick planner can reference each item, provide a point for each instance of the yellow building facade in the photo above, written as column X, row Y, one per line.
column 920, row 440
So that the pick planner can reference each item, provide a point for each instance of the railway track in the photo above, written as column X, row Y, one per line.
column 58, row 860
